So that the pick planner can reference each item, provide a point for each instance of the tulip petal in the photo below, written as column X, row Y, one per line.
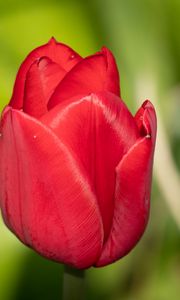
column 92, row 74
column 9, row 184
column 59, row 53
column 47, row 199
column 146, row 120
column 112, row 79
column 41, row 81
column 132, row 193
column 100, row 130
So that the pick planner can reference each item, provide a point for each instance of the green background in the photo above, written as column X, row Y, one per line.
column 144, row 37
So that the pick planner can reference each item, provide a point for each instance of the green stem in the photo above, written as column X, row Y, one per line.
column 73, row 284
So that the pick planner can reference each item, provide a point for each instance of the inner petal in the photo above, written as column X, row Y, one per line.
column 59, row 53
column 93, row 74
column 41, row 81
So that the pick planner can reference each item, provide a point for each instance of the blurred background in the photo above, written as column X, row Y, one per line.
column 144, row 37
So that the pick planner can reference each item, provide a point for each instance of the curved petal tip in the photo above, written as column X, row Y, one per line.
column 146, row 120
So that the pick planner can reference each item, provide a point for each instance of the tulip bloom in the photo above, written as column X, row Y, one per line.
column 75, row 165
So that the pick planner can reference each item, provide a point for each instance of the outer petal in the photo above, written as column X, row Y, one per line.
column 132, row 194
column 45, row 198
column 59, row 53
column 100, row 130
column 93, row 74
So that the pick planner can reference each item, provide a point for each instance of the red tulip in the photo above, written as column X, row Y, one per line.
column 75, row 165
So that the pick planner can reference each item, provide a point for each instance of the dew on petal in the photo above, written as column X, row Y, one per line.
column 72, row 56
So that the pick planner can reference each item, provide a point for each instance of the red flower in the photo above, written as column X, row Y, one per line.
column 75, row 165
